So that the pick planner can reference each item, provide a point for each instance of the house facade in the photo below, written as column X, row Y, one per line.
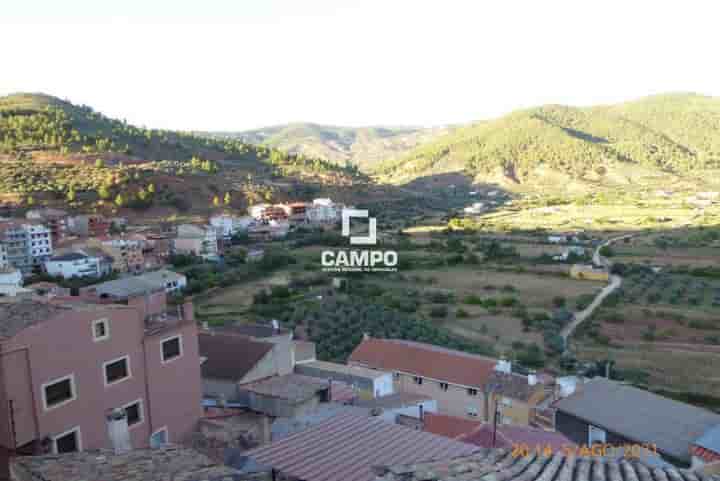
column 27, row 245
column 196, row 240
column 77, row 264
column 104, row 357
column 55, row 219
column 127, row 254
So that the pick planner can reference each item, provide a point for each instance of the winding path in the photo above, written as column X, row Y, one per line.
column 615, row 282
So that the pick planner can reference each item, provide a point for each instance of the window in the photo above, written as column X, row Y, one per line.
column 472, row 391
column 101, row 329
column 171, row 348
column 116, row 370
column 134, row 413
column 417, row 379
column 67, row 442
column 59, row 392
column 159, row 438
column 444, row 386
column 396, row 375
column 472, row 411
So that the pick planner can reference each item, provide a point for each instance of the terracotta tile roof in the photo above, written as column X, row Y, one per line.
column 449, row 426
column 290, row 387
column 424, row 360
column 346, row 446
column 507, row 436
column 501, row 465
column 230, row 357
column 169, row 463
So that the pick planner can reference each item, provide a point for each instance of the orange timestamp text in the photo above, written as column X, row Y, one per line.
column 597, row 450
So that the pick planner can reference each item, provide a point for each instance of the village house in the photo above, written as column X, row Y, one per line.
column 126, row 252
column 148, row 291
column 605, row 411
column 89, row 225
column 296, row 212
column 56, row 221
column 79, row 263
column 197, row 241
column 267, row 212
column 464, row 385
column 368, row 383
column 228, row 225
column 266, row 230
column 105, row 357
column 324, row 211
column 11, row 282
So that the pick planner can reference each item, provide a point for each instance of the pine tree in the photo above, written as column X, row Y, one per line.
column 227, row 198
column 119, row 200
column 216, row 201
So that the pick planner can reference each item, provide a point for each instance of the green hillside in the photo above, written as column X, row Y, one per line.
column 671, row 133
column 363, row 146
column 42, row 123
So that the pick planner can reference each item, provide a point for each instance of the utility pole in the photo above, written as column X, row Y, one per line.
column 495, row 420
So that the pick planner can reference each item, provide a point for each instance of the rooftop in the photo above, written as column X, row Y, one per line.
column 710, row 440
column 640, row 415
column 253, row 330
column 170, row 463
column 345, row 369
column 294, row 388
column 424, row 360
column 514, row 386
column 70, row 256
column 507, row 436
column 397, row 400
column 344, row 448
column 449, row 426
column 17, row 314
column 136, row 285
column 501, row 465
column 230, row 357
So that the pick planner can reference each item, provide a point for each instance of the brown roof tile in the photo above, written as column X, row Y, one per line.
column 449, row 426
column 424, row 360
column 501, row 465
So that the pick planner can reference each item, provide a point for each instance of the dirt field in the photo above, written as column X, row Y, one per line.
column 675, row 369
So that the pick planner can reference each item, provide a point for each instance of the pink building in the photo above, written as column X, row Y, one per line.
column 65, row 365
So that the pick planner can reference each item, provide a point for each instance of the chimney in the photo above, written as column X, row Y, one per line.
column 532, row 378
column 421, row 412
column 118, row 431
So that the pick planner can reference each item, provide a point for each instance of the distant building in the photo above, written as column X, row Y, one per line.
column 296, row 212
column 10, row 277
column 126, row 252
column 55, row 219
column 103, row 357
column 266, row 230
column 557, row 239
column 27, row 245
column 78, row 264
column 89, row 225
column 324, row 211
column 572, row 250
column 196, row 240
column 369, row 383
column 476, row 208
column 267, row 212
column 4, row 263
column 228, row 225
column 589, row 272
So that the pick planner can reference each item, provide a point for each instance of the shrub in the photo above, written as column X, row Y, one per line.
column 559, row 301
column 473, row 300
column 508, row 301
column 439, row 312
column 461, row 313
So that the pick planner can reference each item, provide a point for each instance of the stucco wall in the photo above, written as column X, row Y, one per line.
column 455, row 401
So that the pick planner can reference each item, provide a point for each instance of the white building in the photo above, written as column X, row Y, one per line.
column 557, row 239
column 172, row 281
column 10, row 276
column 476, row 208
column 4, row 262
column 576, row 250
column 27, row 245
column 229, row 225
column 197, row 240
column 76, row 264
column 324, row 211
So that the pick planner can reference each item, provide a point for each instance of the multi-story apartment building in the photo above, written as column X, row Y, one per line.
column 28, row 245
column 127, row 253
column 228, row 225
column 196, row 240
column 104, row 357
column 463, row 384
column 53, row 219
column 324, row 211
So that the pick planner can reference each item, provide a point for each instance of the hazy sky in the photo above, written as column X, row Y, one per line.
column 239, row 64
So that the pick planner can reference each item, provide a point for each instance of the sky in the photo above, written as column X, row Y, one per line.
column 243, row 64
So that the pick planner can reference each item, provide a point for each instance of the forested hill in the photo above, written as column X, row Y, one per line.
column 673, row 133
column 42, row 123
column 363, row 146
